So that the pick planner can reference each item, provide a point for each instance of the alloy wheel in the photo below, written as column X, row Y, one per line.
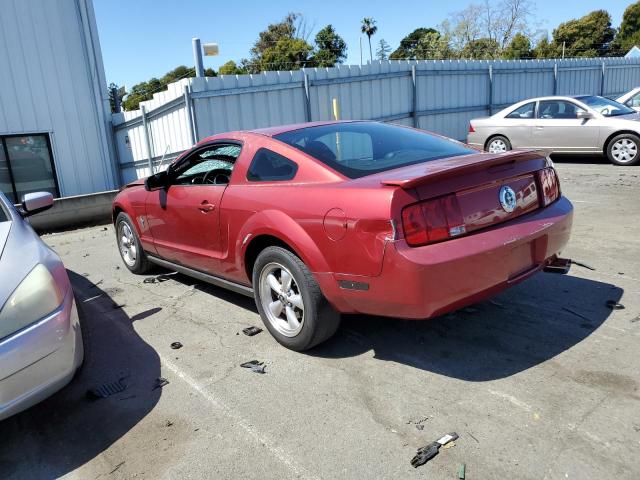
column 624, row 150
column 497, row 146
column 281, row 299
column 127, row 242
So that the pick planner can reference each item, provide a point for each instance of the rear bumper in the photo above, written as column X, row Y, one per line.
column 476, row 140
column 41, row 359
column 427, row 281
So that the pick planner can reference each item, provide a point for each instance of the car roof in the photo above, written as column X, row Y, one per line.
column 272, row 131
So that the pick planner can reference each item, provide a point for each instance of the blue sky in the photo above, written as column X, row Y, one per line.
column 145, row 38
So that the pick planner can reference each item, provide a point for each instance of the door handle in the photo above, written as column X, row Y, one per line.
column 206, row 207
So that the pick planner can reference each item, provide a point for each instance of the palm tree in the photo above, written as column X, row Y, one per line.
column 369, row 27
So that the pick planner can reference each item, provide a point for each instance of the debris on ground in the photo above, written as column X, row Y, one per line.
column 418, row 423
column 116, row 468
column 106, row 390
column 577, row 314
column 449, row 445
column 637, row 319
column 160, row 382
column 163, row 277
column 168, row 423
column 461, row 471
column 584, row 265
column 251, row 331
column 85, row 255
column 612, row 304
column 176, row 345
column 255, row 366
column 426, row 453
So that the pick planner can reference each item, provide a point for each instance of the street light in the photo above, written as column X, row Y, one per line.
column 210, row 50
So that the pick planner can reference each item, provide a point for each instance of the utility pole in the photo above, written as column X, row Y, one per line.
column 197, row 57
column 563, row 44
column 360, row 50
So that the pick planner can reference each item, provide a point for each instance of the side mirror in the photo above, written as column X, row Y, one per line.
column 37, row 202
column 584, row 114
column 159, row 180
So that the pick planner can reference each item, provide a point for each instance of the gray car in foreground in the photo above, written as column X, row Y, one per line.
column 40, row 339
column 563, row 124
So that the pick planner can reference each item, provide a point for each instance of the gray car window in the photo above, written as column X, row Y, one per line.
column 558, row 109
column 525, row 111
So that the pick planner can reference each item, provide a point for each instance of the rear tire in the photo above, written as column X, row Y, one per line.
column 129, row 246
column 624, row 149
column 290, row 302
column 498, row 144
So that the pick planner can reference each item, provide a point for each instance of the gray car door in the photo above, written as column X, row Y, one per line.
column 517, row 125
column 557, row 127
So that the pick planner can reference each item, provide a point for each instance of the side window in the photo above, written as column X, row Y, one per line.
column 525, row 111
column 210, row 165
column 270, row 166
column 634, row 101
column 557, row 109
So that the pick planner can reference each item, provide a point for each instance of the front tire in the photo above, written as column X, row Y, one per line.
column 290, row 302
column 129, row 245
column 498, row 144
column 624, row 149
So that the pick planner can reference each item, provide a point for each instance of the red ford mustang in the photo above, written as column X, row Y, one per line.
column 314, row 220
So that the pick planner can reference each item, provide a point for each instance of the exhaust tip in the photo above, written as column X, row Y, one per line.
column 558, row 265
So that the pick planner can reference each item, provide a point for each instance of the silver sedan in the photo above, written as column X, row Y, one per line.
column 563, row 124
column 40, row 339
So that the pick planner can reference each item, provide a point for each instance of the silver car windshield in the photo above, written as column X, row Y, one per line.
column 604, row 106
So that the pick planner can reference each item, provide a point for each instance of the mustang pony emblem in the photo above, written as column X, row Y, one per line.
column 508, row 199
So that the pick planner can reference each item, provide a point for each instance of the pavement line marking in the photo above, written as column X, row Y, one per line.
column 512, row 399
column 278, row 452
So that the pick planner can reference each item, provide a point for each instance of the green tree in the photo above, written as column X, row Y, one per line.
column 432, row 45
column 330, row 48
column 629, row 33
column 588, row 36
column 116, row 94
column 520, row 47
column 281, row 46
column 382, row 52
column 230, row 68
column 407, row 48
column 482, row 48
column 545, row 49
column 369, row 28
column 287, row 54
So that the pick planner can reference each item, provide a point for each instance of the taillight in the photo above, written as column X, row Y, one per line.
column 432, row 221
column 549, row 185
column 471, row 129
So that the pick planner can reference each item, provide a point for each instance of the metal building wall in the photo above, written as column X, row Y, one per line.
column 438, row 95
column 52, row 81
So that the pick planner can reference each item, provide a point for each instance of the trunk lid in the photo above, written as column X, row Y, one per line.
column 489, row 188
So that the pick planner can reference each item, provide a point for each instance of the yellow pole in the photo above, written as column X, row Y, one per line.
column 336, row 116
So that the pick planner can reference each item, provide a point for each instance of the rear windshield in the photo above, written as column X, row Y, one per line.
column 363, row 148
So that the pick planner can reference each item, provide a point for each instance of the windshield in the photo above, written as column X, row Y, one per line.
column 357, row 149
column 604, row 106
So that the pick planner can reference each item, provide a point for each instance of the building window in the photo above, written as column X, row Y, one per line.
column 26, row 165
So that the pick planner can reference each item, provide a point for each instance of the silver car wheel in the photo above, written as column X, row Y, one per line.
column 281, row 299
column 497, row 146
column 127, row 242
column 624, row 150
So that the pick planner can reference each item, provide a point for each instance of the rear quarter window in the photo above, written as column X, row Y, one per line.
column 269, row 166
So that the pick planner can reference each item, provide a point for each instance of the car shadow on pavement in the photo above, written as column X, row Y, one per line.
column 518, row 329
column 68, row 429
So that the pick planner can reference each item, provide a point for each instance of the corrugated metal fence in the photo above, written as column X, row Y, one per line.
column 436, row 95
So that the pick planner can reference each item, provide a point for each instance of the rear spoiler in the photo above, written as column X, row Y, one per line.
column 453, row 166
